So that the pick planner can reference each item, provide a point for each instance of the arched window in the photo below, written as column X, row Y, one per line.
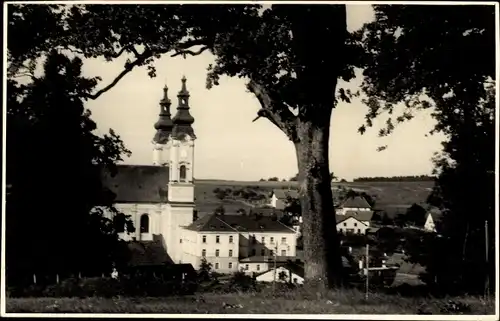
column 144, row 223
column 182, row 173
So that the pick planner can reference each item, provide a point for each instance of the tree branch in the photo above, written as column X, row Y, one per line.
column 275, row 111
column 141, row 58
column 183, row 48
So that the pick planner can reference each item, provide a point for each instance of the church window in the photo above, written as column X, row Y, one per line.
column 144, row 223
column 182, row 173
column 216, row 252
column 203, row 252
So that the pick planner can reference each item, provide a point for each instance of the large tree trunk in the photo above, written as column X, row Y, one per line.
column 323, row 263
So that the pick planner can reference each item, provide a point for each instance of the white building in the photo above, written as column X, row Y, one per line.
column 354, row 222
column 431, row 218
column 279, row 197
column 160, row 197
column 358, row 204
column 228, row 241
column 285, row 273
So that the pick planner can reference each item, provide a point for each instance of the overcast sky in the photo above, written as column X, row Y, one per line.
column 229, row 145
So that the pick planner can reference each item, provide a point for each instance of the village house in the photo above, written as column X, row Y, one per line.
column 226, row 241
column 354, row 222
column 432, row 218
column 357, row 203
column 289, row 272
column 279, row 197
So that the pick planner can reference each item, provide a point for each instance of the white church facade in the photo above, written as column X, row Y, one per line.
column 160, row 197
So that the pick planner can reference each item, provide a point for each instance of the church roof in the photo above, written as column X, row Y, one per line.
column 238, row 223
column 148, row 253
column 183, row 119
column 138, row 183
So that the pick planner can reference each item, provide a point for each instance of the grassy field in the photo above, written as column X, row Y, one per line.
column 335, row 302
column 387, row 194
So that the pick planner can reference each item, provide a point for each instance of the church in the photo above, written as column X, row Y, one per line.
column 160, row 197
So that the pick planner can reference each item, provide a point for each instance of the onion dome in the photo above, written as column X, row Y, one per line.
column 183, row 119
column 164, row 124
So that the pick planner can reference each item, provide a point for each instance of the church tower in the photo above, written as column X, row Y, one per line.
column 163, row 126
column 181, row 160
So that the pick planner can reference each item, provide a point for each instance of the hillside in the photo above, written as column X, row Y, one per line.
column 393, row 196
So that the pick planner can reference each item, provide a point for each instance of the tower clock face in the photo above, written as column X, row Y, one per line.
column 183, row 154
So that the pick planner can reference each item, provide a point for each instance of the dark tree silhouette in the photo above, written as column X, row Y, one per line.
column 54, row 165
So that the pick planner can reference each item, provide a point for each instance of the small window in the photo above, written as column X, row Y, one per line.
column 246, row 267
column 355, row 224
column 345, row 224
column 180, row 241
column 263, row 240
column 359, row 231
column 230, row 265
column 272, row 240
column 294, row 280
column 216, row 266
column 258, row 267
column 341, row 230
column 283, row 240
column 283, row 252
column 253, row 239
column 203, row 252
column 230, row 239
column 216, row 252
column 182, row 173
column 217, row 239
column 204, row 239
column 262, row 252
column 230, row 253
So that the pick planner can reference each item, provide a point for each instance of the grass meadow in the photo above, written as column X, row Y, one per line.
column 348, row 301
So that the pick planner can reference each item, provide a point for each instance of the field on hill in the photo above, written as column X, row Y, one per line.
column 387, row 194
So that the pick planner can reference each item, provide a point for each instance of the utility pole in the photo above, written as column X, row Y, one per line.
column 274, row 266
column 367, row 272
column 487, row 281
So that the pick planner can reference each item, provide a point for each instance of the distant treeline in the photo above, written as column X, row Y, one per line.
column 418, row 178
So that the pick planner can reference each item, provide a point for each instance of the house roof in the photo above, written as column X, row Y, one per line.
column 356, row 202
column 238, row 223
column 284, row 193
column 267, row 211
column 148, row 253
column 362, row 216
column 435, row 212
column 138, row 183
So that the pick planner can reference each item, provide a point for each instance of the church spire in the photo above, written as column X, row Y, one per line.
column 183, row 119
column 164, row 124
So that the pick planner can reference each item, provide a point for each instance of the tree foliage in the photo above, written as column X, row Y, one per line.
column 443, row 57
column 54, row 166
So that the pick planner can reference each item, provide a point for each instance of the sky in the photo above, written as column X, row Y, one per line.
column 229, row 145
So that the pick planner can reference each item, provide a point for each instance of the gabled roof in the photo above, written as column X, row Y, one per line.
column 138, row 183
column 238, row 223
column 282, row 194
column 361, row 216
column 356, row 202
